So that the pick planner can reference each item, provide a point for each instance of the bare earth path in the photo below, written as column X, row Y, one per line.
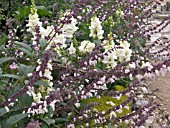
column 161, row 84
column 161, row 87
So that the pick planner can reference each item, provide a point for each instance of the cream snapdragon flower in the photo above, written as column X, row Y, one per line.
column 147, row 64
column 124, row 44
column 113, row 114
column 48, row 74
column 86, row 46
column 124, row 53
column 119, row 13
column 72, row 49
column 108, row 45
column 90, row 46
column 128, row 54
column 50, row 31
column 96, row 28
column 69, row 29
column 132, row 65
column 37, row 98
column 33, row 20
column 58, row 41
column 110, row 59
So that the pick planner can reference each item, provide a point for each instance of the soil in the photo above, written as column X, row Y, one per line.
column 161, row 87
column 161, row 84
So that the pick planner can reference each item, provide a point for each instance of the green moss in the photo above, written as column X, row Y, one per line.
column 104, row 106
column 119, row 88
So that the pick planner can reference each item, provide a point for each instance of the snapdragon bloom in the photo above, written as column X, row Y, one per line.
column 96, row 28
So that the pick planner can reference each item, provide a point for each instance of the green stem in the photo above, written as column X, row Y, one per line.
column 77, row 50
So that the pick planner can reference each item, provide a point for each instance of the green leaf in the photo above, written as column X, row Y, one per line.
column 26, row 51
column 25, row 100
column 49, row 113
column 44, row 126
column 16, row 118
column 57, row 60
column 48, row 121
column 3, row 83
column 83, row 105
column 24, row 69
column 17, row 12
column 98, row 42
column 2, row 111
column 23, row 12
column 2, row 47
column 2, row 60
column 11, row 76
column 43, row 42
column 110, row 126
column 16, row 90
column 41, row 82
column 24, row 45
column 0, row 71
column 59, row 120
column 5, row 125
column 42, row 11
column 40, row 7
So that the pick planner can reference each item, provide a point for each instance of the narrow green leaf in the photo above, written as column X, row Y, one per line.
column 48, row 121
column 16, row 118
column 26, row 51
column 24, row 11
column 109, row 126
column 44, row 125
column 50, row 112
column 11, row 76
column 59, row 120
column 24, row 45
column 2, row 60
column 43, row 42
column 40, row 7
column 25, row 100
column 42, row 11
column 17, row 12
column 98, row 42
column 24, row 69
column 40, row 82
column 0, row 71
column 57, row 60
column 2, row 111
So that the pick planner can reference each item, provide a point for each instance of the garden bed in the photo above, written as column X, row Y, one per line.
column 78, row 64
